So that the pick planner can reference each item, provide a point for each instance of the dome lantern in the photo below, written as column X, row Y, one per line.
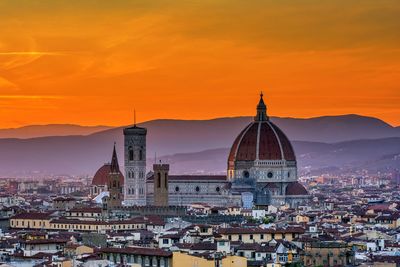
column 261, row 110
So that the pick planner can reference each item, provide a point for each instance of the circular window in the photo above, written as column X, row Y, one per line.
column 246, row 174
column 197, row 189
column 177, row 189
column 217, row 189
column 270, row 174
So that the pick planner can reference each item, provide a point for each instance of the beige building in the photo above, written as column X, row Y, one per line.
column 258, row 235
column 185, row 260
column 45, row 222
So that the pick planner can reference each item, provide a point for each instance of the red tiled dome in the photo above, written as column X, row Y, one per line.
column 267, row 138
column 101, row 176
column 295, row 189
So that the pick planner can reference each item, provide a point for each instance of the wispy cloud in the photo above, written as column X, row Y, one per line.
column 31, row 53
column 34, row 97
column 6, row 84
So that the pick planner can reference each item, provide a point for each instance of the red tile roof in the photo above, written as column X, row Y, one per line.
column 101, row 176
column 295, row 189
column 138, row 251
column 272, row 144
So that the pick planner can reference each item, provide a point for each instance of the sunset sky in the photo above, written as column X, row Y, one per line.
column 93, row 62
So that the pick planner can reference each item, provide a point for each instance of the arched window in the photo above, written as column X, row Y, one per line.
column 114, row 183
column 140, row 155
column 166, row 180
column 130, row 153
column 159, row 180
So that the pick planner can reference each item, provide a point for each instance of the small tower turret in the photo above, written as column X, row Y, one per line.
column 161, row 184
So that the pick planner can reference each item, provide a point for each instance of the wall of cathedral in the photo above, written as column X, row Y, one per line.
column 266, row 171
column 186, row 192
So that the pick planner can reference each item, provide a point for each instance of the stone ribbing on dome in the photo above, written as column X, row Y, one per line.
column 287, row 147
column 261, row 140
column 235, row 145
column 270, row 149
column 247, row 146
column 266, row 143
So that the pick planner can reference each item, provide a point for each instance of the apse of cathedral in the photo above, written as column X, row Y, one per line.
column 261, row 171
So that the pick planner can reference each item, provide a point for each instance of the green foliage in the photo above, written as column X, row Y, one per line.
column 268, row 219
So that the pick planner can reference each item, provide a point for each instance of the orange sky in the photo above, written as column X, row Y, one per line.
column 93, row 62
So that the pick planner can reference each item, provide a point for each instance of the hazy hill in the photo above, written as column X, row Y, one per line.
column 178, row 136
column 33, row 131
column 84, row 154
column 371, row 154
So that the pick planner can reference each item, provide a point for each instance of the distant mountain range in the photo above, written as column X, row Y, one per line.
column 319, row 143
column 312, row 157
column 33, row 131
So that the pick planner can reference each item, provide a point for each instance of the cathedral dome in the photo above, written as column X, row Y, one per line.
column 295, row 189
column 101, row 176
column 261, row 140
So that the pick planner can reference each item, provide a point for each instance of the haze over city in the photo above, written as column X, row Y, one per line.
column 205, row 133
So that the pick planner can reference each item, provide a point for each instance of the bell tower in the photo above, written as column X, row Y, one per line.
column 135, row 165
column 161, row 184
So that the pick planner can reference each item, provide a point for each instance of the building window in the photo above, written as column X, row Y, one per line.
column 140, row 155
column 270, row 175
column 197, row 189
column 262, row 236
column 166, row 180
column 177, row 189
column 130, row 153
column 246, row 174
column 217, row 189
column 158, row 180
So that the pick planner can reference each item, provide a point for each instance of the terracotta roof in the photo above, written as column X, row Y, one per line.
column 138, row 251
column 86, row 209
column 46, row 241
column 295, row 189
column 33, row 216
column 240, row 230
column 101, row 176
column 272, row 144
